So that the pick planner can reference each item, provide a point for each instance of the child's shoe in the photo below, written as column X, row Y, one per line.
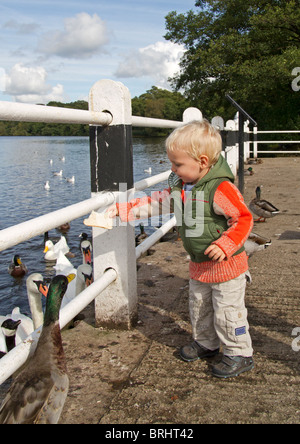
column 194, row 351
column 231, row 366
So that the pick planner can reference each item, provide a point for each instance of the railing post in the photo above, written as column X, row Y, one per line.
column 112, row 169
column 255, row 144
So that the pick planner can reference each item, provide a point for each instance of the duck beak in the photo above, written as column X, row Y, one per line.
column 71, row 276
column 46, row 249
column 19, row 261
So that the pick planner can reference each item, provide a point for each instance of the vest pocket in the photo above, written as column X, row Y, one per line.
column 215, row 230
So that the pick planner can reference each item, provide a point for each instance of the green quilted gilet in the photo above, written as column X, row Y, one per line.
column 197, row 222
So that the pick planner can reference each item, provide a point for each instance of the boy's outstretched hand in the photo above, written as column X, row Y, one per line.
column 112, row 211
column 215, row 253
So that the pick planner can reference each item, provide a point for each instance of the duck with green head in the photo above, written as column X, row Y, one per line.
column 262, row 207
column 17, row 268
column 38, row 393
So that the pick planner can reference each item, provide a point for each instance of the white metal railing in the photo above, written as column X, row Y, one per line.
column 9, row 237
column 255, row 143
column 51, row 114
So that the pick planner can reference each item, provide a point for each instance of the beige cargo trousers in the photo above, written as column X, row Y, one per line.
column 219, row 316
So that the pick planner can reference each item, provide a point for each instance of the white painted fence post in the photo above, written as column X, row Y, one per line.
column 111, row 170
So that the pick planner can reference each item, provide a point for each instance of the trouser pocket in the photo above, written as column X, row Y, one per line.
column 237, row 325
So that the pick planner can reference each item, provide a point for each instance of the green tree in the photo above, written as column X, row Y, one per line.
column 160, row 104
column 247, row 48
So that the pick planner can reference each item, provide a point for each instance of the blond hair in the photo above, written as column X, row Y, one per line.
column 196, row 138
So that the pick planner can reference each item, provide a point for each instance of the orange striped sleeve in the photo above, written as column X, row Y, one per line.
column 228, row 201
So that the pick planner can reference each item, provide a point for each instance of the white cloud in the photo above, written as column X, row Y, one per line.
column 83, row 36
column 159, row 61
column 21, row 28
column 28, row 85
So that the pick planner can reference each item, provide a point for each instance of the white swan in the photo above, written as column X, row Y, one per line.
column 52, row 250
column 82, row 280
column 35, row 298
column 86, row 250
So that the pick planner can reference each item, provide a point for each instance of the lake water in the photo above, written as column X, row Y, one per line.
column 24, row 168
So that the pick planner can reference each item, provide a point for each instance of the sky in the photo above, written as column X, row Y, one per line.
column 57, row 49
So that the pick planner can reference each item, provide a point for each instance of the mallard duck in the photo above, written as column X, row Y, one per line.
column 255, row 243
column 141, row 236
column 17, row 268
column 249, row 172
column 8, row 333
column 255, row 161
column 262, row 208
column 38, row 393
column 64, row 227
column 52, row 250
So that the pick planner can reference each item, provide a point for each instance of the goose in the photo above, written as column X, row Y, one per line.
column 51, row 250
column 262, row 208
column 59, row 173
column 17, row 268
column 255, row 243
column 8, row 333
column 83, row 277
column 38, row 394
column 47, row 185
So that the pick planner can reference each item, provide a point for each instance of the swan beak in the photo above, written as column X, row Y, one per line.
column 71, row 276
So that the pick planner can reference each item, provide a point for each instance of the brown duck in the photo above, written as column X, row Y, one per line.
column 38, row 393
column 17, row 268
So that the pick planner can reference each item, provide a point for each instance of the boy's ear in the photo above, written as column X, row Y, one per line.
column 204, row 161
